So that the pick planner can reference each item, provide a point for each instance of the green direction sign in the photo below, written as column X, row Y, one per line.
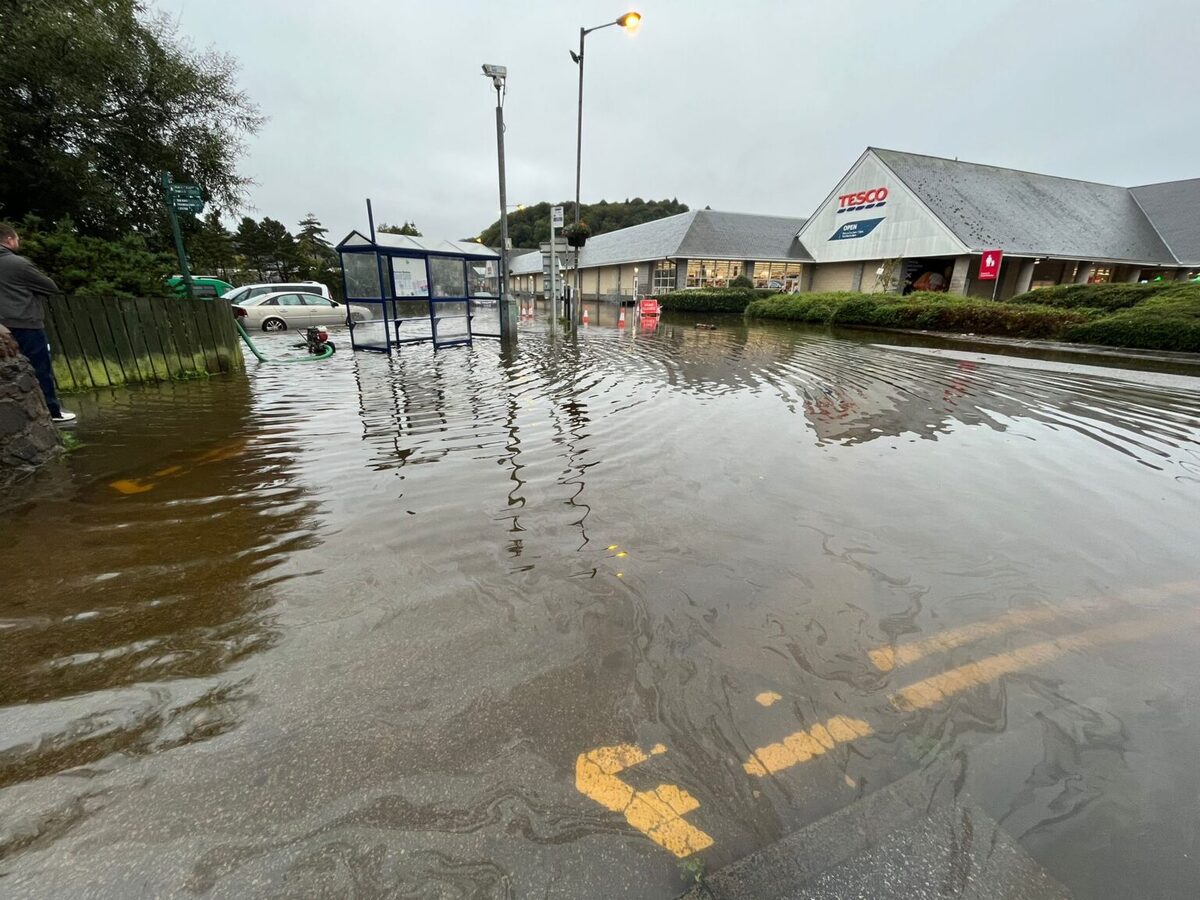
column 185, row 190
column 187, row 204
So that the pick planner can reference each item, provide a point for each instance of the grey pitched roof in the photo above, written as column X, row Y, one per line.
column 527, row 263
column 717, row 235
column 1026, row 214
column 698, row 234
column 1173, row 208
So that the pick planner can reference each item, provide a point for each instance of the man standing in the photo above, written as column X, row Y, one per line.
column 23, row 312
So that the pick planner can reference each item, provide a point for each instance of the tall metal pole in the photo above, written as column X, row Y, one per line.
column 578, row 304
column 553, row 274
column 508, row 323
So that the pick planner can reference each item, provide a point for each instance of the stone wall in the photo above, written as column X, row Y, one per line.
column 27, row 436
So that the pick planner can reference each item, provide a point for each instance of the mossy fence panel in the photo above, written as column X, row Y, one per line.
column 107, row 341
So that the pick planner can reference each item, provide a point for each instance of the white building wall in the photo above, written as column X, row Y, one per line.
column 863, row 229
column 834, row 276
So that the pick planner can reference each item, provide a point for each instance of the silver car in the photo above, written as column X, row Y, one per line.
column 283, row 310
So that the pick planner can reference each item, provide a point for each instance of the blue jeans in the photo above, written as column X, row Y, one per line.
column 36, row 348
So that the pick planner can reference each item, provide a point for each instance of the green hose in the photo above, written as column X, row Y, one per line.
column 325, row 354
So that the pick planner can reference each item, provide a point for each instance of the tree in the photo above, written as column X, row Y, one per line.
column 530, row 227
column 96, row 98
column 210, row 246
column 92, row 266
column 408, row 228
column 313, row 248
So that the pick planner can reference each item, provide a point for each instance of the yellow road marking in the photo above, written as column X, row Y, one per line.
column 887, row 658
column 801, row 746
column 658, row 814
column 932, row 691
column 767, row 698
column 217, row 454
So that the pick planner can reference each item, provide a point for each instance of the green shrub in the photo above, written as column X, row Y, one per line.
column 1162, row 316
column 1169, row 320
column 720, row 300
column 1094, row 296
column 933, row 312
column 741, row 282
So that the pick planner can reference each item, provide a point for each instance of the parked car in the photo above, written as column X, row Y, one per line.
column 202, row 286
column 250, row 291
column 282, row 310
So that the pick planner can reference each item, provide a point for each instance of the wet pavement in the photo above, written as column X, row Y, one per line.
column 600, row 617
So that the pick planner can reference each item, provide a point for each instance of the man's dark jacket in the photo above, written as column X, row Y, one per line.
column 22, row 287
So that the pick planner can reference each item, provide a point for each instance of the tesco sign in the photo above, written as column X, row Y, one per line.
column 862, row 200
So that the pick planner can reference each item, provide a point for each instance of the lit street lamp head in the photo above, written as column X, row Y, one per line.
column 630, row 21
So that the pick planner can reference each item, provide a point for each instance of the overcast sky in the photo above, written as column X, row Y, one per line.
column 742, row 106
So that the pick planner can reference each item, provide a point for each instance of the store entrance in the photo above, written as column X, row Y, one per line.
column 927, row 273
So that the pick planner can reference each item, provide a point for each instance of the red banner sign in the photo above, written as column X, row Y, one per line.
column 989, row 265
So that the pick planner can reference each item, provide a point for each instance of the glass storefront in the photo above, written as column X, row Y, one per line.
column 777, row 276
column 712, row 272
column 664, row 276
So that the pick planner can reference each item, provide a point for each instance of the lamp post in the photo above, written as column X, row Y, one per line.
column 629, row 22
column 508, row 318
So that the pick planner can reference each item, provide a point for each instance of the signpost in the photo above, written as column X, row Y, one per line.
column 181, row 198
column 556, row 222
column 989, row 268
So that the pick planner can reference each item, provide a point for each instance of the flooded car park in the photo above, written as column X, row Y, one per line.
column 600, row 617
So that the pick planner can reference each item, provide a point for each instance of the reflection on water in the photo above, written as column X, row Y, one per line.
column 141, row 579
column 350, row 626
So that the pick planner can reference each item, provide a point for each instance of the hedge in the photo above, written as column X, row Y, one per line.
column 719, row 300
column 928, row 311
column 1095, row 296
column 1164, row 316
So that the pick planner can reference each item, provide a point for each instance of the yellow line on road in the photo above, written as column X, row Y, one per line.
column 802, row 746
column 932, row 691
column 658, row 814
column 887, row 658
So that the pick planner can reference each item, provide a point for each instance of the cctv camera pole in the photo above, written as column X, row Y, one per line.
column 508, row 309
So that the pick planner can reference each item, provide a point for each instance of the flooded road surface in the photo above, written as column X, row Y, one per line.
column 592, row 619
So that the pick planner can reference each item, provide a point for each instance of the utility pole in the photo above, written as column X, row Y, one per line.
column 577, row 300
column 508, row 310
column 556, row 221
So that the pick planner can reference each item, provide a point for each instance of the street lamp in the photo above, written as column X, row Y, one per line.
column 508, row 325
column 630, row 21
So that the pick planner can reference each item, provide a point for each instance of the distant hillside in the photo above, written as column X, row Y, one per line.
column 530, row 226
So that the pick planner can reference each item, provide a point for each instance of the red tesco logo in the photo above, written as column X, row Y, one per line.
column 862, row 199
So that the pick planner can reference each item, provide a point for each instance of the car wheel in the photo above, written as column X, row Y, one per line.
column 274, row 323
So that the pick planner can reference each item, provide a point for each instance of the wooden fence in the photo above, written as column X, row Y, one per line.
column 104, row 341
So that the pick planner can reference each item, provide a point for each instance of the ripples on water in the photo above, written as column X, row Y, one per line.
column 430, row 544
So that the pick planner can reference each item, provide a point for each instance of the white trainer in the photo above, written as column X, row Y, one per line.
column 63, row 417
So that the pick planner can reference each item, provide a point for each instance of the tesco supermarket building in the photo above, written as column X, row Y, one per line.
column 895, row 217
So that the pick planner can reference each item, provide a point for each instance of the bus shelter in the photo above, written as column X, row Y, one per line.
column 417, row 289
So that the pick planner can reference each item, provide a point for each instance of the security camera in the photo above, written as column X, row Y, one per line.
column 495, row 72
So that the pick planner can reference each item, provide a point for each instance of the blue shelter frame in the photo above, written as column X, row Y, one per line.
column 407, row 281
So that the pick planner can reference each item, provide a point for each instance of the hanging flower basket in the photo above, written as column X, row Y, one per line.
column 577, row 235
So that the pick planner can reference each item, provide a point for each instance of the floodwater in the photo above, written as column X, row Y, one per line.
column 580, row 621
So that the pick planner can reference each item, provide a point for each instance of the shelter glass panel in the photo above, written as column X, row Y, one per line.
column 409, row 277
column 484, row 277
column 447, row 277
column 362, row 275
